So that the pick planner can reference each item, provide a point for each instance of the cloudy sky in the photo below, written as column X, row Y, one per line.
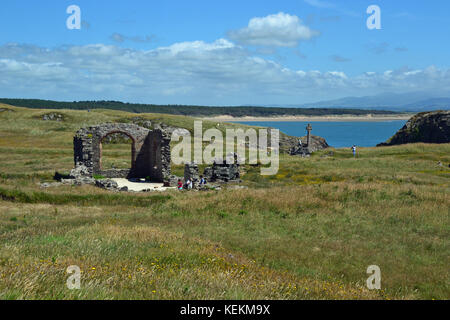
column 222, row 52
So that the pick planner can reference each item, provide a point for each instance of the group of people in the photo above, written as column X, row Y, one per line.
column 189, row 184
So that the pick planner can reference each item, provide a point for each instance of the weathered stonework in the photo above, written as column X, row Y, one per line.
column 150, row 151
column 107, row 184
column 313, row 143
column 191, row 172
column 223, row 172
column 53, row 116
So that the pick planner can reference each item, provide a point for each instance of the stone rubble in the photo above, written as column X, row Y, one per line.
column 191, row 172
column 53, row 117
column 107, row 184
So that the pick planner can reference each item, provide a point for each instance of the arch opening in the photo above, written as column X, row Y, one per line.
column 114, row 151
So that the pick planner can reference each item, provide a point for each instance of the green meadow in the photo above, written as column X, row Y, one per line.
column 308, row 232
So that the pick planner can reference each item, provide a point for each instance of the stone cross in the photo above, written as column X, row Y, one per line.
column 309, row 128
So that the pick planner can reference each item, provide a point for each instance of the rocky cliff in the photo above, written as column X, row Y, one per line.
column 428, row 127
column 289, row 142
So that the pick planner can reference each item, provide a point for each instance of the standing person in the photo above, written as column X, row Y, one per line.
column 354, row 151
column 202, row 181
column 180, row 184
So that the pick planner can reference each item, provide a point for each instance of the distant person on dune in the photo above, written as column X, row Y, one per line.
column 354, row 150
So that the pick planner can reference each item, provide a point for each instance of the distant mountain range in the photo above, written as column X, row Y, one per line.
column 408, row 102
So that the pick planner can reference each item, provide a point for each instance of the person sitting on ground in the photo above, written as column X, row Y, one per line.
column 202, row 181
column 188, row 184
column 180, row 184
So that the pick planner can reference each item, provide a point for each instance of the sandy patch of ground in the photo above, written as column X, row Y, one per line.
column 140, row 186
column 312, row 119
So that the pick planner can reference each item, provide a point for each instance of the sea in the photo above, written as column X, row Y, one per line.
column 339, row 134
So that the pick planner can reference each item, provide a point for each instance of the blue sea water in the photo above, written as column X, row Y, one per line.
column 339, row 134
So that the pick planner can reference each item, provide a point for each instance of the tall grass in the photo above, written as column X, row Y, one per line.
column 309, row 232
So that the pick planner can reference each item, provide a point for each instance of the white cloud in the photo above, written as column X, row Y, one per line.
column 198, row 46
column 45, row 71
column 217, row 73
column 277, row 30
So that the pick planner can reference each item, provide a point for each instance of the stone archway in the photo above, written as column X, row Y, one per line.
column 133, row 148
column 150, row 151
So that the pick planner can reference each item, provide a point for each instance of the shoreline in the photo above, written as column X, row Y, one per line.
column 336, row 118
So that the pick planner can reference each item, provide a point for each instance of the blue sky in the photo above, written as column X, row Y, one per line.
column 222, row 53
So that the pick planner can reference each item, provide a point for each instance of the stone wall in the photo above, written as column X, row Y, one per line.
column 115, row 173
column 150, row 151
column 222, row 172
column 157, row 155
column 191, row 172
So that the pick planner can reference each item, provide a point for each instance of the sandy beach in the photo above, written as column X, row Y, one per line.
column 226, row 118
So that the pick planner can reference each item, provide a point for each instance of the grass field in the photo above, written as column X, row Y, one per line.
column 310, row 232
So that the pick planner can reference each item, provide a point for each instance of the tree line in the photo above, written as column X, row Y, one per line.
column 189, row 110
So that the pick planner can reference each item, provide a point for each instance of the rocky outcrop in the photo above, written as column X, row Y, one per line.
column 53, row 116
column 107, row 184
column 288, row 143
column 427, row 127
column 317, row 143
column 292, row 145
